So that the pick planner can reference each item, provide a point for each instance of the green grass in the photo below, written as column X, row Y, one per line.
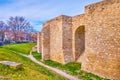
column 23, row 48
column 72, row 68
column 29, row 70
column 37, row 55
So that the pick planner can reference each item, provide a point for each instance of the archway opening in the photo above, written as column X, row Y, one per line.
column 79, row 42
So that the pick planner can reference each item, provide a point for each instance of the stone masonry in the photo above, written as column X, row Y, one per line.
column 39, row 42
column 92, row 38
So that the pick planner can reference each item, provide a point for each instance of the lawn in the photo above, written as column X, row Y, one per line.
column 72, row 68
column 23, row 48
column 29, row 70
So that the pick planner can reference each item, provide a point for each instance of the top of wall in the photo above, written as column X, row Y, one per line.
column 92, row 7
column 55, row 19
column 80, row 15
column 88, row 9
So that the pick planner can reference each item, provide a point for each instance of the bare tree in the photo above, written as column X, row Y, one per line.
column 17, row 25
column 3, row 28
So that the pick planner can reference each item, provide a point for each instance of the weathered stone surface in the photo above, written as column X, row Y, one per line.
column 4, row 78
column 56, row 51
column 45, row 42
column 58, row 43
column 92, row 38
column 11, row 64
column 78, row 36
column 67, row 39
column 39, row 47
column 102, row 54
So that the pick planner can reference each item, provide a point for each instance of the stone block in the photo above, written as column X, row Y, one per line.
column 11, row 64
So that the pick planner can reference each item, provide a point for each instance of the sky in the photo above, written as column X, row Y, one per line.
column 38, row 12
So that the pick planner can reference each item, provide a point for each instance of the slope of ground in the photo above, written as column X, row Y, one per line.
column 29, row 70
column 23, row 48
column 72, row 68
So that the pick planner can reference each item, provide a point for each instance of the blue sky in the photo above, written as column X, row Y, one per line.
column 39, row 11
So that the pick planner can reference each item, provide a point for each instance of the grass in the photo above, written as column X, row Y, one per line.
column 37, row 55
column 72, row 68
column 23, row 48
column 29, row 70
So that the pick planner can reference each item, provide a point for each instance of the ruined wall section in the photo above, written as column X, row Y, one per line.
column 56, row 51
column 99, row 5
column 39, row 44
column 60, row 39
column 102, row 31
column 103, row 39
column 77, row 21
column 67, row 39
column 45, row 40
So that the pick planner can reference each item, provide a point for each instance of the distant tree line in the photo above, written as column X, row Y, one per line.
column 16, row 30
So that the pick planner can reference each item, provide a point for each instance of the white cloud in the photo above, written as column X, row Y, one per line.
column 42, row 10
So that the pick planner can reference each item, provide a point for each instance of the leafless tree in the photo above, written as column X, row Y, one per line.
column 17, row 25
column 3, row 28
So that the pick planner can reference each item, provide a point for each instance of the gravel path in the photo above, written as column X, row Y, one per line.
column 70, row 77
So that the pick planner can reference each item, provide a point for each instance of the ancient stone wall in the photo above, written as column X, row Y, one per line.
column 102, row 52
column 67, row 39
column 78, row 36
column 39, row 46
column 45, row 40
column 92, row 38
column 56, row 51
column 57, row 39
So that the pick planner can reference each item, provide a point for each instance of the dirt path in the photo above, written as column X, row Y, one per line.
column 70, row 77
column 60, row 72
